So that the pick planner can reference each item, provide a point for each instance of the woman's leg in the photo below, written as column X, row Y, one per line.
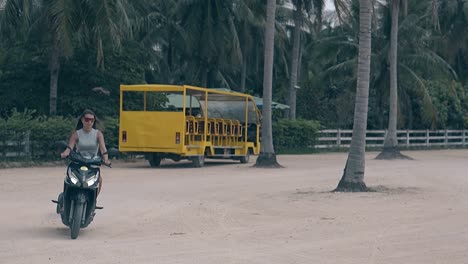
column 100, row 186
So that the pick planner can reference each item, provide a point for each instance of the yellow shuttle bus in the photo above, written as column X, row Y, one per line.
column 187, row 122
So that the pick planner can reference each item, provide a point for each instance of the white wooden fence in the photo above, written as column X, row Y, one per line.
column 20, row 148
column 337, row 138
column 328, row 139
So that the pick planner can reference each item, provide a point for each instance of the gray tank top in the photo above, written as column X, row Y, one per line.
column 87, row 142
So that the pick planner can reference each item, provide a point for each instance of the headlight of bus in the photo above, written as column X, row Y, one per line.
column 72, row 176
column 91, row 180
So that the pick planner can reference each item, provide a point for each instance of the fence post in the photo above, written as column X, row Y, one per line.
column 407, row 138
column 27, row 145
column 445, row 138
column 427, row 137
column 384, row 136
column 338, row 138
column 463, row 137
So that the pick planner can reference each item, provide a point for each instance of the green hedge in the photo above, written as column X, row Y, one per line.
column 110, row 129
column 24, row 136
column 295, row 136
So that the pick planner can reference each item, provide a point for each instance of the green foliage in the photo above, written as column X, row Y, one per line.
column 196, row 42
column 45, row 132
column 110, row 129
column 26, row 136
column 14, row 131
column 449, row 98
column 84, row 86
column 24, row 85
column 295, row 135
column 332, row 104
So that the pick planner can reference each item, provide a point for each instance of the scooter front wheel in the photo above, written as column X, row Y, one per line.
column 76, row 222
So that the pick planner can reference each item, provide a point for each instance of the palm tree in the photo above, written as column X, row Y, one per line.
column 250, row 20
column 64, row 24
column 416, row 63
column 157, row 25
column 55, row 16
column 353, row 176
column 212, row 39
column 390, row 150
column 267, row 157
column 300, row 7
column 450, row 20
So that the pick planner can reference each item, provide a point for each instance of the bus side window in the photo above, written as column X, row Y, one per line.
column 251, row 132
column 133, row 101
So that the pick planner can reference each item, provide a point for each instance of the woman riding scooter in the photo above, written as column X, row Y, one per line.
column 88, row 139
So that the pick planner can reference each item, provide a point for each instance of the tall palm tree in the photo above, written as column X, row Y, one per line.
column 212, row 39
column 353, row 176
column 450, row 18
column 301, row 7
column 415, row 53
column 65, row 24
column 267, row 157
column 157, row 25
column 250, row 20
column 31, row 16
column 390, row 150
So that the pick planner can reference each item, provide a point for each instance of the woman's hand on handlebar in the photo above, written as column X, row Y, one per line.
column 65, row 154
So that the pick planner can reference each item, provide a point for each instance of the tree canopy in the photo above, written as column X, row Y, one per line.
column 99, row 45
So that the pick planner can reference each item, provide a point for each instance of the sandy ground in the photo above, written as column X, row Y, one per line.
column 232, row 213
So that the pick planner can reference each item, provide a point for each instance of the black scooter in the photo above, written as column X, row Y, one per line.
column 77, row 203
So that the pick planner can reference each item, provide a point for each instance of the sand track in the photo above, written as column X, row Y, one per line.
column 232, row 213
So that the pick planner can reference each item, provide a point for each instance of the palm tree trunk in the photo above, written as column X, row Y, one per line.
column 244, row 70
column 391, row 138
column 204, row 77
column 54, row 68
column 353, row 176
column 294, row 63
column 390, row 150
column 318, row 22
column 169, row 60
column 267, row 157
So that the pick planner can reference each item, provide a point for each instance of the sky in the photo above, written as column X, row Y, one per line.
column 329, row 5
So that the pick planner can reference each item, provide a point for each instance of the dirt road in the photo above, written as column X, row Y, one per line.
column 233, row 213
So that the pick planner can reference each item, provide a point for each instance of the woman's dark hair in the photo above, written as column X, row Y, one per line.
column 79, row 125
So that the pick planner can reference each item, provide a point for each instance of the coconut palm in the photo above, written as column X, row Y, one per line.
column 157, row 29
column 211, row 38
column 62, row 25
column 451, row 18
column 416, row 63
column 301, row 7
column 250, row 21
column 267, row 157
column 353, row 176
column 390, row 150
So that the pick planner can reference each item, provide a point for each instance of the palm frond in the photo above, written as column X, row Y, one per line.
column 60, row 15
column 16, row 17
column 429, row 112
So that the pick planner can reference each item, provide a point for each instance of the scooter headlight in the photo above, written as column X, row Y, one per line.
column 91, row 180
column 72, row 176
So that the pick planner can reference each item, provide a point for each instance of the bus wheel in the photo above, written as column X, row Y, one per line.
column 246, row 158
column 154, row 160
column 198, row 161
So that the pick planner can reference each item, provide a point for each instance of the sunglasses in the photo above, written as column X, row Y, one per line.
column 87, row 119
